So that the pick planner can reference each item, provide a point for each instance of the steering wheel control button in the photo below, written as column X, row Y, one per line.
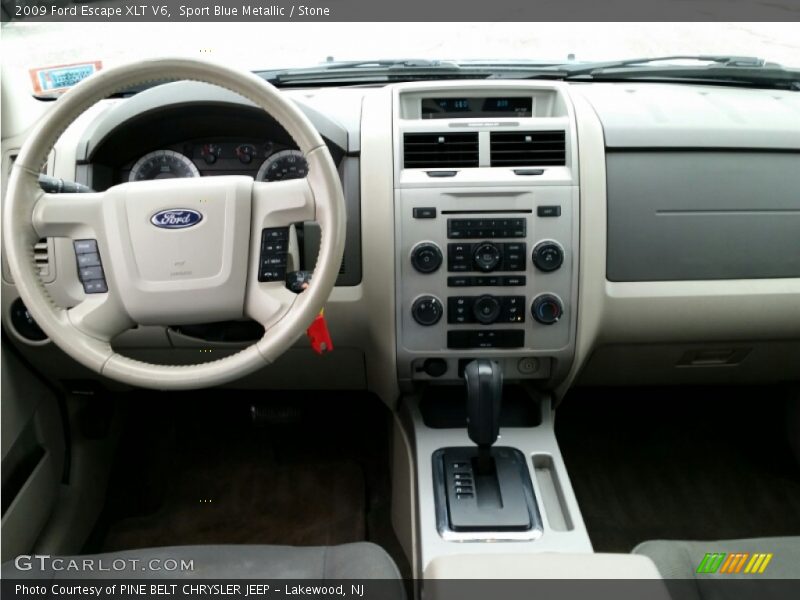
column 547, row 309
column 486, row 257
column 548, row 211
column 85, row 246
column 91, row 273
column 88, row 260
column 427, row 310
column 96, row 286
column 424, row 212
column 90, row 267
column 274, row 252
column 548, row 256
column 486, row 309
column 426, row 257
column 276, row 247
column 275, row 233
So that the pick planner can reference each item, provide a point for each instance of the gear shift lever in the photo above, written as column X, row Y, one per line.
column 487, row 488
column 484, row 397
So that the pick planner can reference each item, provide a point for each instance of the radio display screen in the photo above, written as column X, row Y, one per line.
column 464, row 108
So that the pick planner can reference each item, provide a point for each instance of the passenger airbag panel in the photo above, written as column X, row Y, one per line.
column 702, row 215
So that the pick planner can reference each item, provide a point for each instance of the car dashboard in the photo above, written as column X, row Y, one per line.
column 597, row 233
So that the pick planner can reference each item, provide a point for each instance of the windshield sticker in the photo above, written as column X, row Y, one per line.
column 51, row 81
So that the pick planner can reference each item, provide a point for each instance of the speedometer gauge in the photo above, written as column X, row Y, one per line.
column 163, row 164
column 286, row 164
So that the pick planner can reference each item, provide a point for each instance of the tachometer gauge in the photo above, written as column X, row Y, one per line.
column 163, row 164
column 286, row 164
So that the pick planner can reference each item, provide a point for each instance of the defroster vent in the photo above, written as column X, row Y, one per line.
column 440, row 150
column 528, row 148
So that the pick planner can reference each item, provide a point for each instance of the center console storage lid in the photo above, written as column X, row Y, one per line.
column 546, row 565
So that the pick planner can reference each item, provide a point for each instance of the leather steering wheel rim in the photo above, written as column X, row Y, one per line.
column 30, row 214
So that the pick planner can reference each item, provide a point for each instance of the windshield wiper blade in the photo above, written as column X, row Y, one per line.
column 713, row 59
column 363, row 70
column 400, row 63
column 720, row 75
column 720, row 70
column 407, row 69
column 575, row 70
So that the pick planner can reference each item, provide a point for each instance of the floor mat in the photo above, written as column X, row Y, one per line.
column 678, row 463
column 197, row 471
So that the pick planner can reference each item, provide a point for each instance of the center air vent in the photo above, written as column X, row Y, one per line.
column 528, row 148
column 439, row 150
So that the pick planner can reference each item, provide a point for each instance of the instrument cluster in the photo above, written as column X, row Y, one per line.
column 264, row 161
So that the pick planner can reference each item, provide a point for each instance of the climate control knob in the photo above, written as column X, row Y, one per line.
column 427, row 310
column 426, row 257
column 486, row 309
column 548, row 256
column 486, row 256
column 547, row 309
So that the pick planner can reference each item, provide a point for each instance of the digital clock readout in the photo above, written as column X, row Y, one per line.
column 454, row 108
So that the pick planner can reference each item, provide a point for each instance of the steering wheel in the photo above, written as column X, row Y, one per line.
column 174, row 251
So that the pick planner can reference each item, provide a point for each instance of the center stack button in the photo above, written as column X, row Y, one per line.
column 486, row 256
column 486, row 309
column 426, row 257
column 427, row 310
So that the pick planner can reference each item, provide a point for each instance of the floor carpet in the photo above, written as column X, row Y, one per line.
column 198, row 470
column 680, row 463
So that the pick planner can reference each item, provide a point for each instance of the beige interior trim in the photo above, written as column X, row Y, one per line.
column 546, row 565
column 83, row 345
column 377, row 243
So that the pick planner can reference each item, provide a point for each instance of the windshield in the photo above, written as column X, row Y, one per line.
column 261, row 46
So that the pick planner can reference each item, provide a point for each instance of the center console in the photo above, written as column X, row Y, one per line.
column 486, row 201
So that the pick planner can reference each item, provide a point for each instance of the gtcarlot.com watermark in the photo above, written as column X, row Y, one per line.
column 44, row 562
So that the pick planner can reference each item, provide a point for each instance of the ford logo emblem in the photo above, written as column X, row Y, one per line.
column 176, row 218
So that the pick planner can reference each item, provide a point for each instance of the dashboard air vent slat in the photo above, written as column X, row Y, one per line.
column 528, row 148
column 439, row 150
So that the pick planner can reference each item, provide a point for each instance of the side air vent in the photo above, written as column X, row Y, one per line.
column 439, row 150
column 528, row 148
